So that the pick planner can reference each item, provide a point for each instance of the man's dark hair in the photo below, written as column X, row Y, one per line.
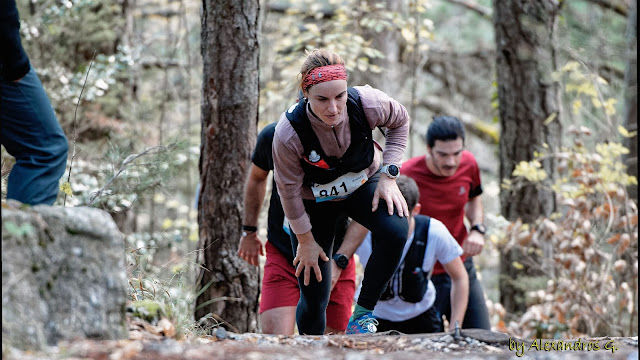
column 444, row 128
column 409, row 190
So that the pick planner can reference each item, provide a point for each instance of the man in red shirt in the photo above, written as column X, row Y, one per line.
column 449, row 181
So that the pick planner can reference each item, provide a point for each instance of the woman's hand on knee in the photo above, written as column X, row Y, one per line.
column 387, row 189
column 307, row 258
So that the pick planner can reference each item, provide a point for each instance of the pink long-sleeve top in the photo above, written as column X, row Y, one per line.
column 380, row 110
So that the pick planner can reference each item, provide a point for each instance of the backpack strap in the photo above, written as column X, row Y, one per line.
column 297, row 116
column 355, row 96
column 434, row 263
column 415, row 254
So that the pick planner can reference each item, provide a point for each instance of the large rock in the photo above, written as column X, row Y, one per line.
column 63, row 276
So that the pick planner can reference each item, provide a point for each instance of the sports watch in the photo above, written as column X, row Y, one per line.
column 247, row 229
column 341, row 260
column 392, row 170
column 479, row 228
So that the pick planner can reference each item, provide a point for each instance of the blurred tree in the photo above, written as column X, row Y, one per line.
column 631, row 98
column 378, row 27
column 230, row 48
column 529, row 109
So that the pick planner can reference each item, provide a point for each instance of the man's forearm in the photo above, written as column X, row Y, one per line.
column 459, row 299
column 475, row 211
column 254, row 194
column 352, row 239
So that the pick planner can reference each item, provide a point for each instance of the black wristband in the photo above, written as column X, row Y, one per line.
column 249, row 228
column 479, row 228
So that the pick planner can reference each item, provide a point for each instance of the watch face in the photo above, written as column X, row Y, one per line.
column 480, row 228
column 393, row 170
column 342, row 261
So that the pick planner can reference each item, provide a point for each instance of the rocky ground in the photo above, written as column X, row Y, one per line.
column 472, row 344
column 151, row 335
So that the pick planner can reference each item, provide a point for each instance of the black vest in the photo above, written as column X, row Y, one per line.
column 411, row 279
column 358, row 156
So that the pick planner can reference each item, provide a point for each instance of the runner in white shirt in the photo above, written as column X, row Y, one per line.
column 407, row 305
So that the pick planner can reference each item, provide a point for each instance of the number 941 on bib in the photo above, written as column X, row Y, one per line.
column 339, row 188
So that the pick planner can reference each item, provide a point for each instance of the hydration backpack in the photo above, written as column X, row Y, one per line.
column 359, row 154
column 412, row 280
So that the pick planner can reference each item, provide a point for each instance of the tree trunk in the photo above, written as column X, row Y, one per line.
column 631, row 98
column 388, row 42
column 526, row 57
column 230, row 52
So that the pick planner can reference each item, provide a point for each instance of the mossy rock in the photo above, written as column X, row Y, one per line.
column 149, row 310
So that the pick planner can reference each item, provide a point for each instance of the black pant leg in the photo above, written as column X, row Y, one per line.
column 314, row 298
column 477, row 315
column 388, row 235
column 427, row 322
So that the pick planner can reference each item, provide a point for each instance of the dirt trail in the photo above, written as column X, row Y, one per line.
column 473, row 344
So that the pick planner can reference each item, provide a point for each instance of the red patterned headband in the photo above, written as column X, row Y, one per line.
column 324, row 73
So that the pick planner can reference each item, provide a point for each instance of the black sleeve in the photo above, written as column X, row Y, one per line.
column 14, row 62
column 475, row 191
column 262, row 156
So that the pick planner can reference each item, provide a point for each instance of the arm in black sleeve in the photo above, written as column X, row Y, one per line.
column 14, row 63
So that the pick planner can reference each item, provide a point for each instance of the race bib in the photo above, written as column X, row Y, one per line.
column 339, row 188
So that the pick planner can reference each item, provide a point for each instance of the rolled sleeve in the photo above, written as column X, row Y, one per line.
column 382, row 110
column 300, row 225
column 289, row 176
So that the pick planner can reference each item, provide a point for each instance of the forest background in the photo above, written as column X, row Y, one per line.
column 126, row 80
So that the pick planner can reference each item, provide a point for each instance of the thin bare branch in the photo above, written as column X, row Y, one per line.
column 75, row 116
column 284, row 9
column 483, row 11
column 441, row 106
column 618, row 7
column 131, row 158
column 160, row 64
column 166, row 13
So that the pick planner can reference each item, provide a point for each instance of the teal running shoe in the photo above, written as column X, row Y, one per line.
column 365, row 324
